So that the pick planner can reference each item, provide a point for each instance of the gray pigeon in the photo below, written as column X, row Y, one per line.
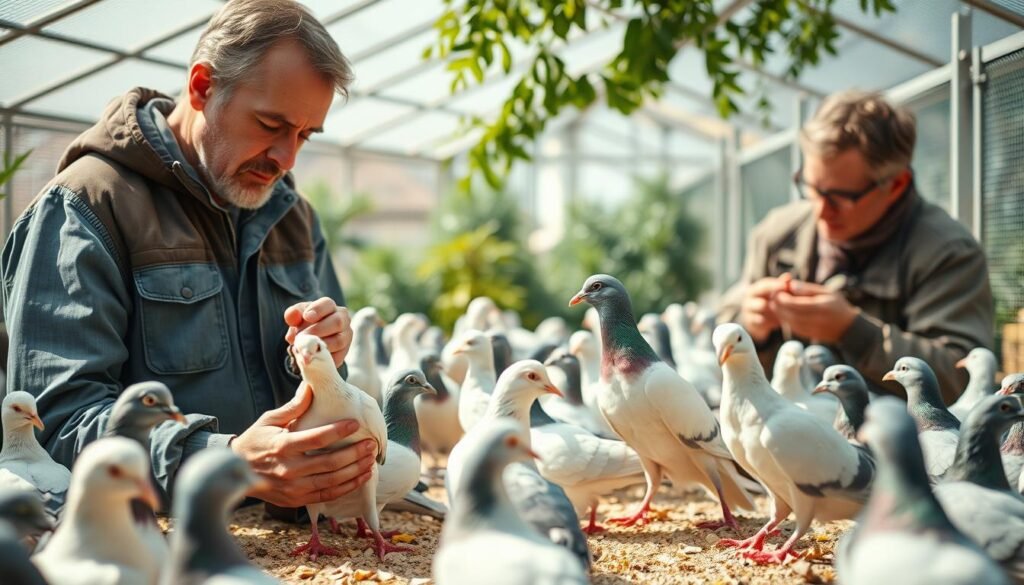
column 15, row 566
column 211, row 483
column 502, row 350
column 817, row 359
column 975, row 493
column 140, row 408
column 1013, row 445
column 24, row 464
column 24, row 512
column 938, row 430
column 484, row 539
column 981, row 365
column 846, row 384
column 903, row 533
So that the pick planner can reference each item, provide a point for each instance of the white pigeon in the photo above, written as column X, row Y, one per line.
column 695, row 364
column 480, row 314
column 23, row 461
column 981, row 366
column 938, row 430
column 405, row 349
column 478, row 384
column 484, row 540
column 658, row 413
column 975, row 493
column 807, row 466
column 334, row 400
column 361, row 360
column 98, row 542
column 592, row 322
column 553, row 330
column 587, row 350
column 787, row 380
column 903, row 534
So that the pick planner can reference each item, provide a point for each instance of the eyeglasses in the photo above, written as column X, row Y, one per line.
column 835, row 197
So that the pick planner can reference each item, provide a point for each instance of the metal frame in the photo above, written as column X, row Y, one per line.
column 997, row 11
column 961, row 91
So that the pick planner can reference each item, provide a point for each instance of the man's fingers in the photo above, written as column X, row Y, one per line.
column 290, row 410
column 329, row 325
column 318, row 309
column 800, row 287
column 320, row 437
column 335, row 460
column 326, row 495
column 293, row 314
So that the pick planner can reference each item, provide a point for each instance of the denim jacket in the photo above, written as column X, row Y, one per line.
column 124, row 269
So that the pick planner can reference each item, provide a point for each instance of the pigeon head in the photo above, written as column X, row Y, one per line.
column 570, row 367
column 560, row 358
column 410, row 325
column 552, row 330
column 732, row 340
column 1012, row 384
column 25, row 512
column 474, row 344
column 365, row 320
column 675, row 313
column 818, row 358
column 600, row 290
column 979, row 362
column 842, row 381
column 116, row 467
column 144, row 405
column 408, row 384
column 583, row 344
column 480, row 312
column 995, row 413
column 310, row 351
column 19, row 411
column 492, row 448
column 912, row 373
column 790, row 357
column 519, row 386
column 430, row 363
column 214, row 477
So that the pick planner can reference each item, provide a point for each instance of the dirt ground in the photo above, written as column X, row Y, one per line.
column 670, row 550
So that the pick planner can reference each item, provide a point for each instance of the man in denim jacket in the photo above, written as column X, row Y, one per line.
column 172, row 246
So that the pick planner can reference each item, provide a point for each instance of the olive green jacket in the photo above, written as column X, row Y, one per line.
column 925, row 292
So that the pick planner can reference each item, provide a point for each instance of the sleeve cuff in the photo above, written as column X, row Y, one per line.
column 863, row 335
column 205, row 439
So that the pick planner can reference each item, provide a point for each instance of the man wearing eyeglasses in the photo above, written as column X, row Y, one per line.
column 863, row 263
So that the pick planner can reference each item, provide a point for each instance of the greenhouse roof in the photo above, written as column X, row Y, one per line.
column 63, row 60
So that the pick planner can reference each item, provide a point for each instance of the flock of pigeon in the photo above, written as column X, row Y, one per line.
column 537, row 426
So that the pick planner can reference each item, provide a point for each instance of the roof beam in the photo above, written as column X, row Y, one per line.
column 997, row 11
column 897, row 46
column 39, row 24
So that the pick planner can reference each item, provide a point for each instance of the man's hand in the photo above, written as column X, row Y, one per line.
column 813, row 311
column 756, row 314
column 292, row 478
column 324, row 319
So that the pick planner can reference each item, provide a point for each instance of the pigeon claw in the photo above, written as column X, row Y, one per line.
column 593, row 528
column 769, row 558
column 716, row 524
column 315, row 549
column 382, row 547
column 639, row 518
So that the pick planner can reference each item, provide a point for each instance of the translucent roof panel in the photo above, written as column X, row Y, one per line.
column 86, row 99
column 26, row 11
column 326, row 8
column 30, row 63
column 368, row 27
column 430, row 86
column 127, row 24
column 412, row 136
column 357, row 116
column 179, row 48
column 374, row 69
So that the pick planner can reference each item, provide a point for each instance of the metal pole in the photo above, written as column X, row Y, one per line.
column 794, row 149
column 733, row 208
column 978, row 176
column 961, row 90
column 9, row 187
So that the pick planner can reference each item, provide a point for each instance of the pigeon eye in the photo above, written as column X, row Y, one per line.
column 148, row 400
column 410, row 380
column 115, row 472
column 512, row 441
column 1004, row 407
column 596, row 286
column 16, row 408
column 533, row 377
column 840, row 377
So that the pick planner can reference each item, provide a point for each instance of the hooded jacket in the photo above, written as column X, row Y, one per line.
column 124, row 269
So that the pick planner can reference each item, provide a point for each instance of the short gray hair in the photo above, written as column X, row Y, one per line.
column 882, row 132
column 240, row 34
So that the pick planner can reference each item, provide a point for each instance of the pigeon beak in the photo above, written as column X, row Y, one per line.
column 577, row 299
column 1007, row 391
column 533, row 454
column 550, row 389
column 824, row 387
column 176, row 415
column 428, row 389
column 723, row 355
column 962, row 363
column 889, row 376
column 36, row 421
column 148, row 493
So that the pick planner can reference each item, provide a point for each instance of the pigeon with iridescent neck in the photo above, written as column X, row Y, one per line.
column 981, row 366
column 334, row 400
column 658, row 413
column 98, row 541
column 541, row 503
column 474, row 347
column 903, row 533
column 808, row 468
column 135, row 413
column 938, row 429
column 363, row 372
column 1012, row 449
column 974, row 492
column 24, row 464
column 210, row 485
column 484, row 539
column 846, row 384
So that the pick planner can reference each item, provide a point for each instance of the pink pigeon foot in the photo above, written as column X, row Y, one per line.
column 315, row 548
column 335, row 528
column 755, row 542
column 639, row 517
column 382, row 547
column 770, row 558
column 716, row 524
column 593, row 527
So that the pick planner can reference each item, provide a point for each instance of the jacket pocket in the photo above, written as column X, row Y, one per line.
column 294, row 282
column 183, row 323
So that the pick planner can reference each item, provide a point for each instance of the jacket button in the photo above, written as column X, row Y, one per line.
column 186, row 292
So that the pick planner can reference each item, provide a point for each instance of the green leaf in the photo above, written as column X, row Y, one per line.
column 11, row 167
